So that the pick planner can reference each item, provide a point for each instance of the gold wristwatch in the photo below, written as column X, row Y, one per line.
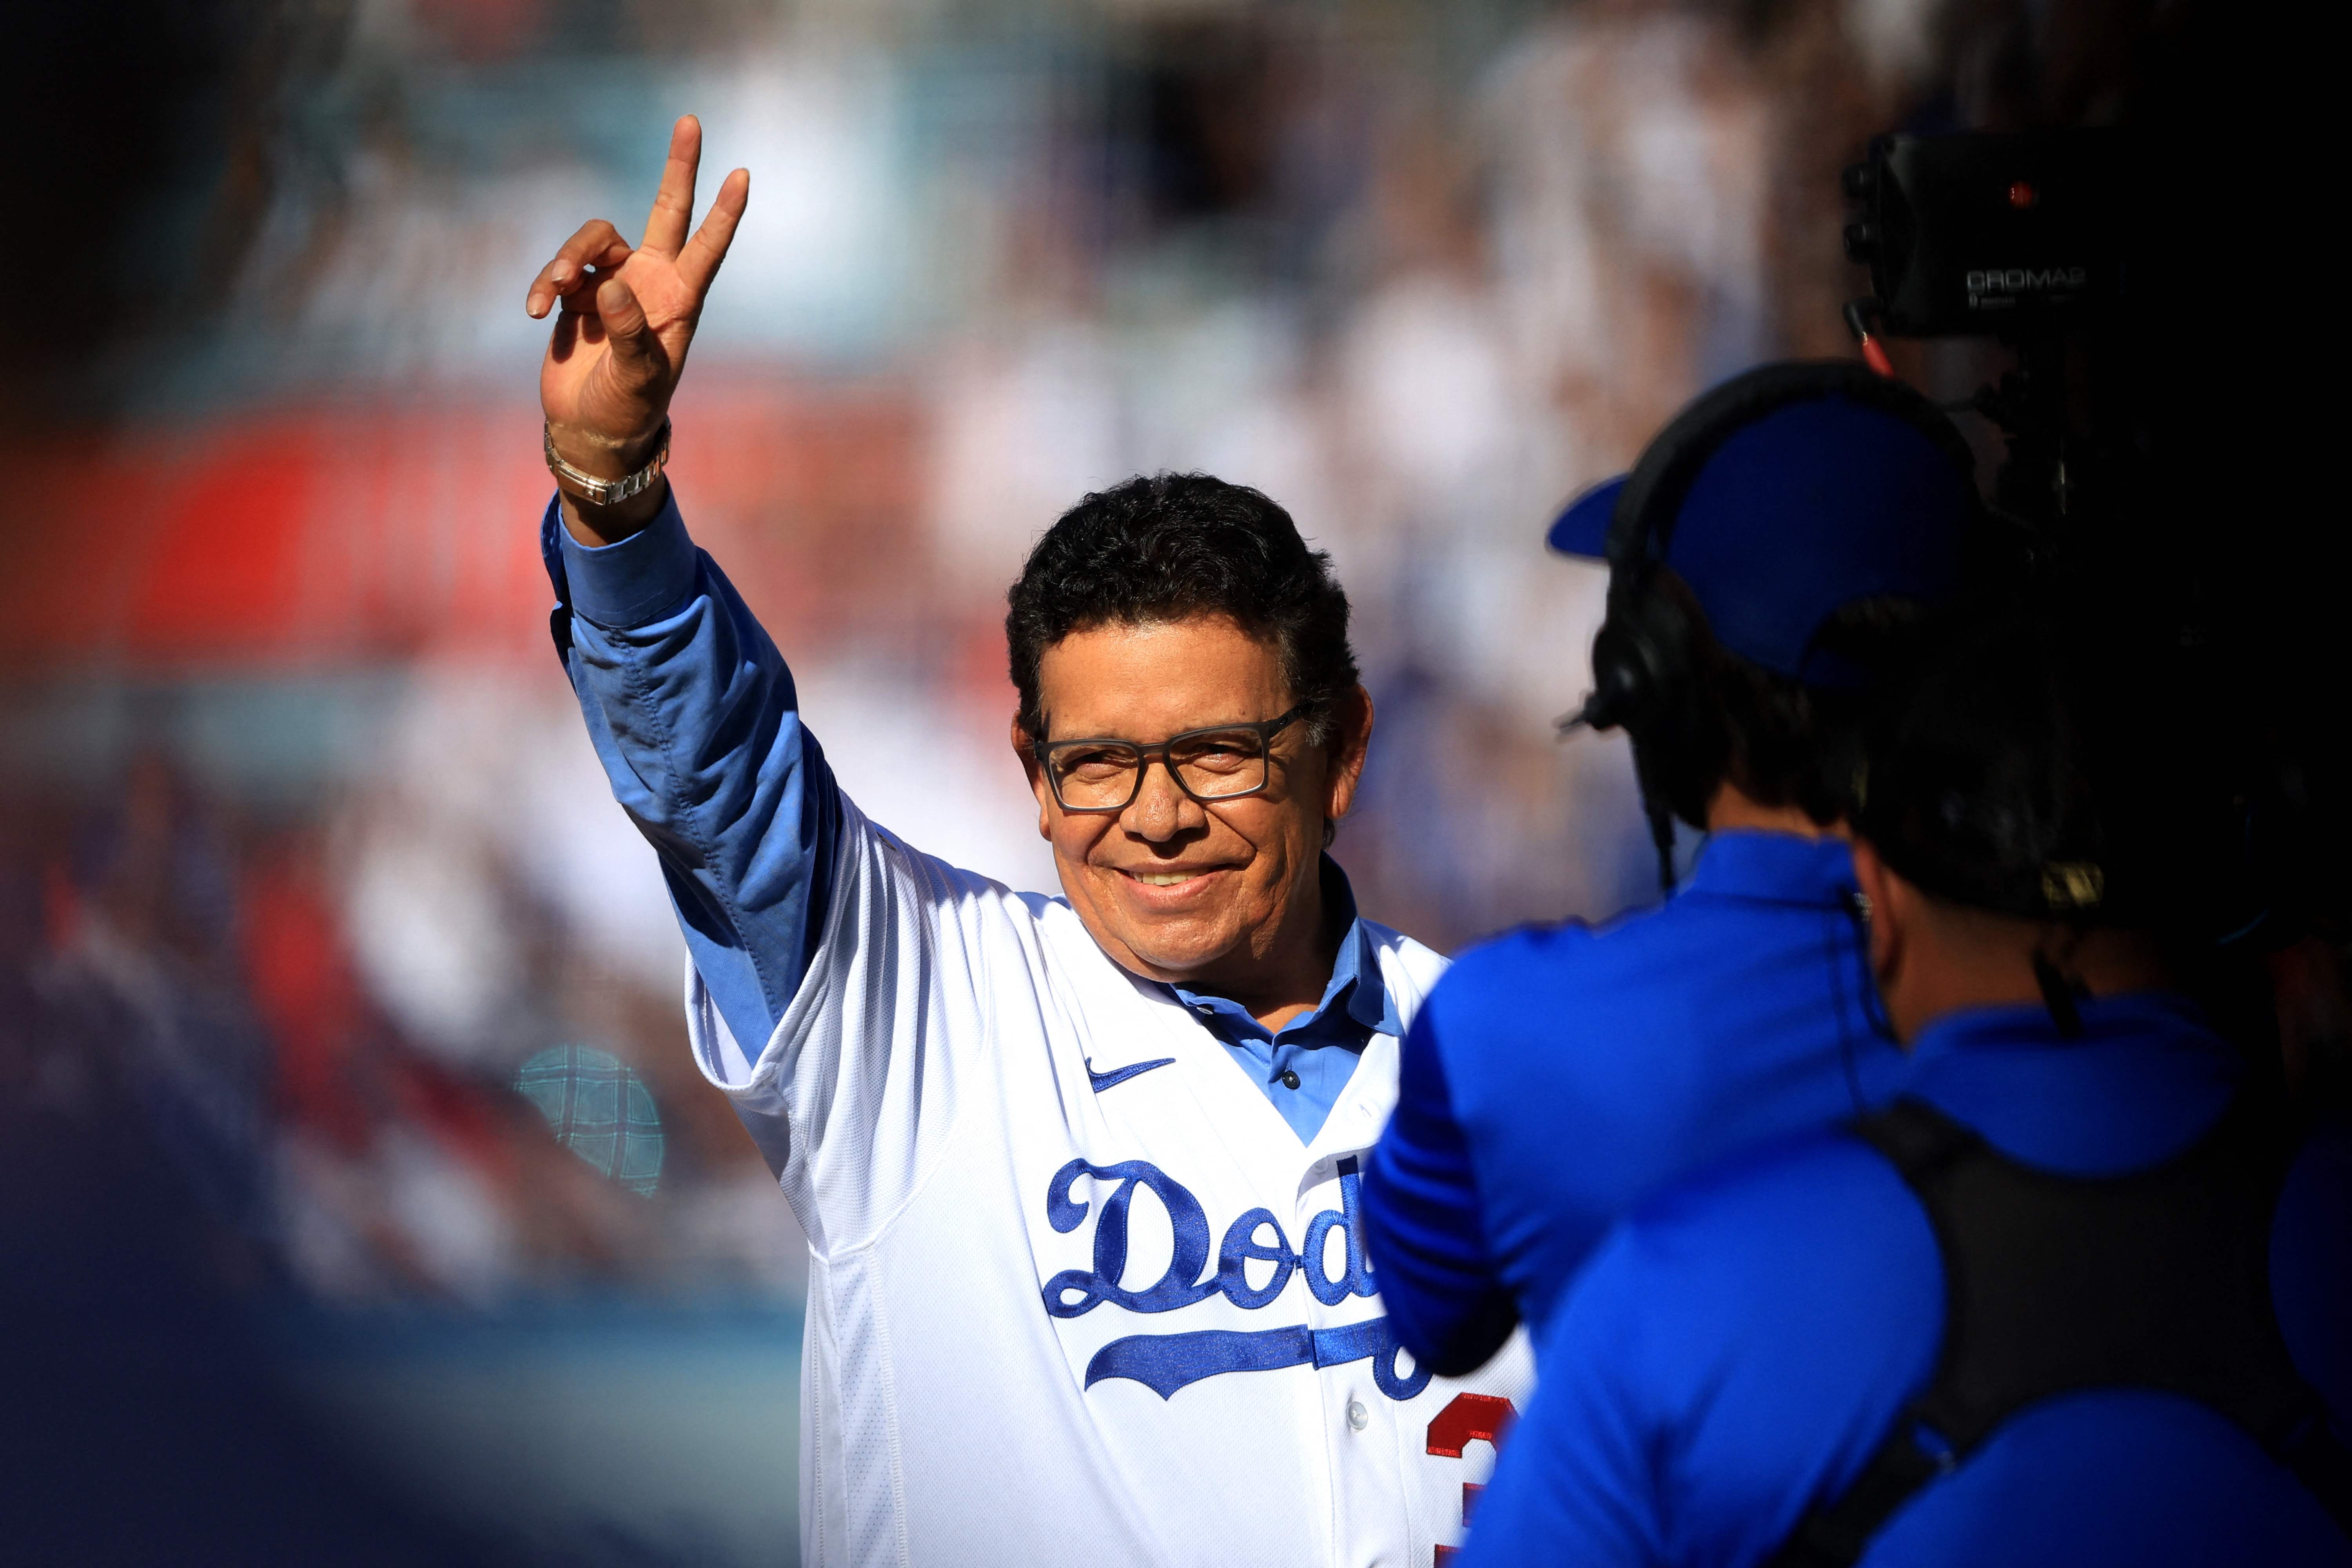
column 588, row 488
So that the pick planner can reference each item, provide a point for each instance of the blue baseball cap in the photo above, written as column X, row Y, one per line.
column 1813, row 488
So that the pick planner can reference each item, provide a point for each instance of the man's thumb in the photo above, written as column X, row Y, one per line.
column 625, row 324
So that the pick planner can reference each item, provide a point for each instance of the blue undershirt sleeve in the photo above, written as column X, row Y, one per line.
column 1446, row 1300
column 693, row 714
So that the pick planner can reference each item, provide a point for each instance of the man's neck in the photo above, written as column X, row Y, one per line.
column 1734, row 810
column 1275, row 995
column 1989, row 962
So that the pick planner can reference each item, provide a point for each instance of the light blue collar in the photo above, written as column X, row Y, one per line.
column 1364, row 1003
column 1305, row 1066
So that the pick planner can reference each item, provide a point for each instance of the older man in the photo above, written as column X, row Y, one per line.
column 1078, row 1174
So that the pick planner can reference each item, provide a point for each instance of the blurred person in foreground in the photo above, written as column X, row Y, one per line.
column 144, row 1415
column 1078, row 1174
column 1770, row 546
column 2083, row 1295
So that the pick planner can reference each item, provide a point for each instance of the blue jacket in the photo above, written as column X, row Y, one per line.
column 1733, row 1353
column 1558, row 1076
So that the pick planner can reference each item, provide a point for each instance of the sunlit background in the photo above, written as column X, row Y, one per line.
column 364, row 1204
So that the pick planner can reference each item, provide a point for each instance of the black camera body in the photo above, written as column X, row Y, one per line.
column 1985, row 235
column 2120, row 518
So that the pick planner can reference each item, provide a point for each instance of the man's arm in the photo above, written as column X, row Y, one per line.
column 691, row 708
column 1444, row 1297
column 693, row 714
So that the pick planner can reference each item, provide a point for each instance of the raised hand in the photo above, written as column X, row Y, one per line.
column 626, row 320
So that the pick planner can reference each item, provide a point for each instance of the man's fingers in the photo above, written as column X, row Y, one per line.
column 596, row 244
column 674, row 203
column 697, row 264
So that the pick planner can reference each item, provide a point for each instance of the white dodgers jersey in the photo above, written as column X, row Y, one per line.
column 1078, row 1295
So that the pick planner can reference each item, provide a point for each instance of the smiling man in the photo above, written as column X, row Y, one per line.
column 1078, row 1174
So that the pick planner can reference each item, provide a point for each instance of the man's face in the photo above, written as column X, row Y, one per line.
column 1223, row 894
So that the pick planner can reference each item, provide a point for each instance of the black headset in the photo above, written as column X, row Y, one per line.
column 1644, row 664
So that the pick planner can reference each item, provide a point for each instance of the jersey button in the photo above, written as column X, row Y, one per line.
column 1358, row 1417
column 1289, row 1078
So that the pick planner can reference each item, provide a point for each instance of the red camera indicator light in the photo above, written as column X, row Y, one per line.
column 2022, row 195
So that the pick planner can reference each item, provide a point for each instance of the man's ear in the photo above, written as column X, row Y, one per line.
column 1037, row 785
column 1350, row 743
column 1894, row 906
column 1876, row 882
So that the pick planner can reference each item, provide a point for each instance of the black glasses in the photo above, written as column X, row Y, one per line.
column 1223, row 761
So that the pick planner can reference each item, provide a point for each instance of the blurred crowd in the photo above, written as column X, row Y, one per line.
column 371, row 1064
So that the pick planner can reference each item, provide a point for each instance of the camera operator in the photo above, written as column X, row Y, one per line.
column 2081, row 1296
column 1558, row 1076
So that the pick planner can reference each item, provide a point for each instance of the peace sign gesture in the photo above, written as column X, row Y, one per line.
column 621, row 336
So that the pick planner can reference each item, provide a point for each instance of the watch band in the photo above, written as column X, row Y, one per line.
column 588, row 488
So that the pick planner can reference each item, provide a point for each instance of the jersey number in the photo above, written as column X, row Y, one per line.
column 1468, row 1418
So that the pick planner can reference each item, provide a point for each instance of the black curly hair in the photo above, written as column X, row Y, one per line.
column 1781, row 742
column 1166, row 547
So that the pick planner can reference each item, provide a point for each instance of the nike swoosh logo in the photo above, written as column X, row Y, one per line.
column 1103, row 1080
